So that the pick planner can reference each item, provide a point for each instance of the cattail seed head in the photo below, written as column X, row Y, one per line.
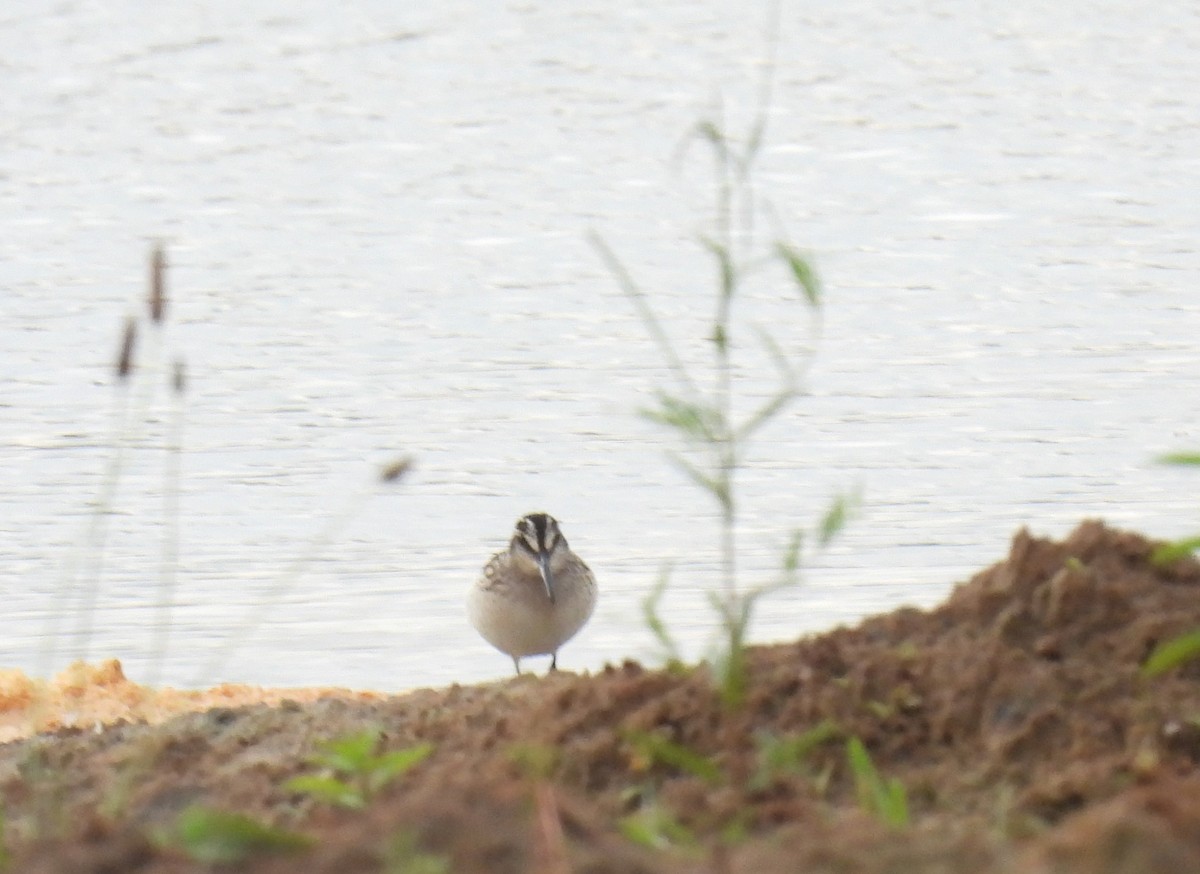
column 125, row 354
column 158, row 283
column 394, row 470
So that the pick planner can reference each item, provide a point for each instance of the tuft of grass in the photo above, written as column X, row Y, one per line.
column 778, row 756
column 883, row 798
column 354, row 769
column 83, row 573
column 1172, row 653
column 654, row 749
column 217, row 837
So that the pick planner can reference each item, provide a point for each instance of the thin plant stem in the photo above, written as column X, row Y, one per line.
column 169, row 564
column 287, row 579
column 283, row 584
column 96, row 537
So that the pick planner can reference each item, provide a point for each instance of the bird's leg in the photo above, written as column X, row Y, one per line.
column 554, row 662
column 517, row 665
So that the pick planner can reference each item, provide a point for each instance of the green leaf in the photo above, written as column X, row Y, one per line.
column 885, row 799
column 895, row 804
column 711, row 133
column 731, row 667
column 330, row 790
column 1188, row 458
column 720, row 338
column 802, row 272
column 666, row 752
column 866, row 777
column 351, row 754
column 656, row 829
column 791, row 555
column 754, row 142
column 1172, row 552
column 216, row 837
column 835, row 518
column 765, row 413
column 1172, row 653
column 727, row 272
column 699, row 477
column 388, row 766
column 799, row 746
column 695, row 421
column 780, row 359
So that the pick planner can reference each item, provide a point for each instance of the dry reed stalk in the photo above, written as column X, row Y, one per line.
column 124, row 363
column 394, row 470
column 158, row 284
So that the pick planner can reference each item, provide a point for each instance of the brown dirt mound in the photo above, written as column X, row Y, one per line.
column 1013, row 715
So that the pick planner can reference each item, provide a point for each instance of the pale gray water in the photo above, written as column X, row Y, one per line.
column 376, row 221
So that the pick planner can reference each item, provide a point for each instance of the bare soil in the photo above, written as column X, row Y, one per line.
column 1013, row 715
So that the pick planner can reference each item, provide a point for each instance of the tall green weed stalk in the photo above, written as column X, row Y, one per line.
column 699, row 408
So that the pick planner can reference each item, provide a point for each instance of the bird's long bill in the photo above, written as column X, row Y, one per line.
column 543, row 561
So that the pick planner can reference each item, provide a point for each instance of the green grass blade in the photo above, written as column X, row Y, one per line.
column 350, row 754
column 1187, row 458
column 1172, row 552
column 866, row 778
column 792, row 554
column 388, row 766
column 802, row 271
column 727, row 272
column 697, row 422
column 329, row 790
column 885, row 799
column 765, row 413
column 786, row 755
column 1171, row 654
column 895, row 806
column 666, row 752
column 708, row 483
column 836, row 517
column 656, row 829
column 216, row 837
column 713, row 134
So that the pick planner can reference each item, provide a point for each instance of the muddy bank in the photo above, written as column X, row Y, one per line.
column 1013, row 715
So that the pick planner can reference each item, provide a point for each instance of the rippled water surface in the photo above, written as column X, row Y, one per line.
column 377, row 220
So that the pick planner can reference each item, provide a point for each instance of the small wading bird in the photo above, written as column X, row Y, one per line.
column 533, row 596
